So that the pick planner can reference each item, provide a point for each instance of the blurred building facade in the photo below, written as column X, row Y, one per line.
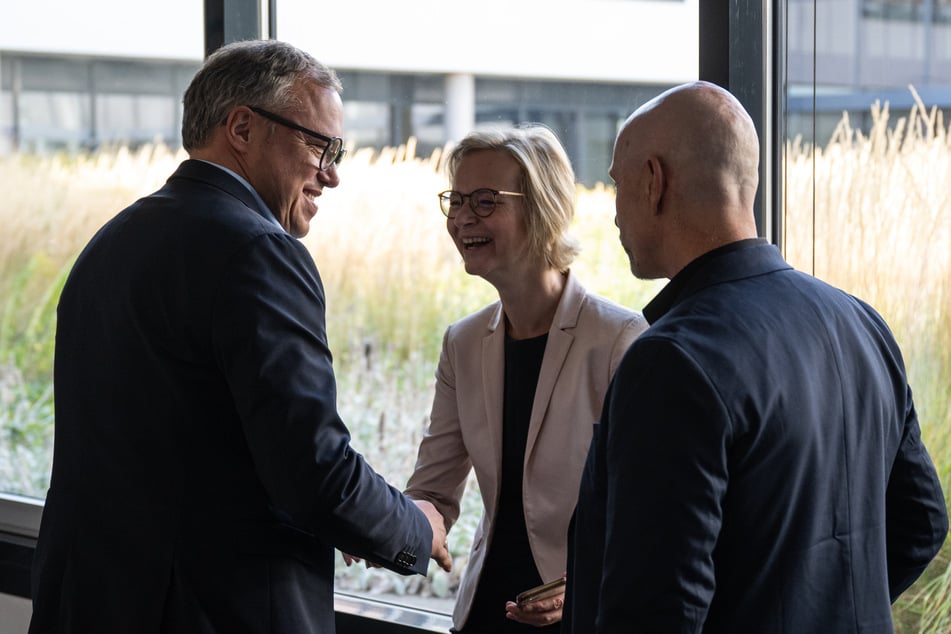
column 865, row 51
column 418, row 69
column 432, row 70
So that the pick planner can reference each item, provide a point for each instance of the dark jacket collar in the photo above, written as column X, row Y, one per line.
column 210, row 174
column 737, row 260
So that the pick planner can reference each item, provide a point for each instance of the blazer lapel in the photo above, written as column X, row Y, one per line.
column 556, row 351
column 493, row 387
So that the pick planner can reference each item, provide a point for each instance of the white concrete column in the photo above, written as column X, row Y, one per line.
column 460, row 106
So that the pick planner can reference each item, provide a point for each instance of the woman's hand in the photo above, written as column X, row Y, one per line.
column 537, row 613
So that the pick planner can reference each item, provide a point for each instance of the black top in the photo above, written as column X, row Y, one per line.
column 509, row 566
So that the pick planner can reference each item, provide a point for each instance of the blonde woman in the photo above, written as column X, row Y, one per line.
column 520, row 382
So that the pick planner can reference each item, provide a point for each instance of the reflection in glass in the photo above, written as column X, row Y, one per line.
column 867, row 193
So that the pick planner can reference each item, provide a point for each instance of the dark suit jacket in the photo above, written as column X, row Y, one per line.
column 201, row 474
column 758, row 466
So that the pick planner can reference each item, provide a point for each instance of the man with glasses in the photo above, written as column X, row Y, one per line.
column 202, row 476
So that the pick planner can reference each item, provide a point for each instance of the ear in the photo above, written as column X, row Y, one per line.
column 656, row 183
column 238, row 128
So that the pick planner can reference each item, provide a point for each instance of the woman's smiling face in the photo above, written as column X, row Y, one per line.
column 496, row 246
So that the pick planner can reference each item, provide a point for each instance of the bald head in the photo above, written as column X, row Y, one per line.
column 686, row 165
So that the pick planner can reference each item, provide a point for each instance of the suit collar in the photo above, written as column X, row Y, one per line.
column 560, row 340
column 737, row 260
column 569, row 307
column 226, row 180
column 566, row 314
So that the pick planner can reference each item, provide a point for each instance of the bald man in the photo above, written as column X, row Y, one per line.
column 758, row 466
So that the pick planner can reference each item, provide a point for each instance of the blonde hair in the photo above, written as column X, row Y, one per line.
column 547, row 180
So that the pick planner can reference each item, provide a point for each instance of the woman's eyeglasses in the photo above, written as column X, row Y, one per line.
column 481, row 201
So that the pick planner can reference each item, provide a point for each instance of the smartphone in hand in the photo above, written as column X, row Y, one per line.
column 544, row 591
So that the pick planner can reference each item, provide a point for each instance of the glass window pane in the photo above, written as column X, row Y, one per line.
column 386, row 344
column 867, row 194
column 72, row 77
column 393, row 279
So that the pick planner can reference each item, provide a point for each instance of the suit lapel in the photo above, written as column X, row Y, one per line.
column 559, row 343
column 493, row 387
column 556, row 351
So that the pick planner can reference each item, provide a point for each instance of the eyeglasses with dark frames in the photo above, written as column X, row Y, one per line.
column 481, row 201
column 333, row 149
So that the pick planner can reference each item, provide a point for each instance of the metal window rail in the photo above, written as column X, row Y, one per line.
column 20, row 525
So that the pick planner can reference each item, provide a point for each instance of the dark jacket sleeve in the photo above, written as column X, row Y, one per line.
column 271, row 344
column 661, row 530
column 916, row 515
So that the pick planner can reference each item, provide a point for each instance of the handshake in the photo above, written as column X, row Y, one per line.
column 440, row 542
column 440, row 549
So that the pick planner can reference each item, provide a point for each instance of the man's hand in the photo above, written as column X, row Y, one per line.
column 440, row 546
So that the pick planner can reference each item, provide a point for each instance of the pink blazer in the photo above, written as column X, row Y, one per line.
column 588, row 337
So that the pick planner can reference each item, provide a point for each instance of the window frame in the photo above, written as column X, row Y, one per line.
column 738, row 49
